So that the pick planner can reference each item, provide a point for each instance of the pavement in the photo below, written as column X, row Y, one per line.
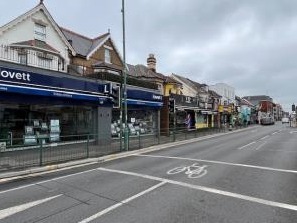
column 34, row 171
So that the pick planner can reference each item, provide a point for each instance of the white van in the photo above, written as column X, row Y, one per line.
column 285, row 120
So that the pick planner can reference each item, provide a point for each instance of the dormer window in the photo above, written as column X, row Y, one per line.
column 107, row 55
column 40, row 32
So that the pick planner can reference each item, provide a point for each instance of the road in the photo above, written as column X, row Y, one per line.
column 245, row 176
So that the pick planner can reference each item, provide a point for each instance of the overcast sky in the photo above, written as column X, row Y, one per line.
column 248, row 44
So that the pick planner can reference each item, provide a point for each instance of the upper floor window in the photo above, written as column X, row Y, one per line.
column 44, row 62
column 40, row 32
column 22, row 58
column 107, row 56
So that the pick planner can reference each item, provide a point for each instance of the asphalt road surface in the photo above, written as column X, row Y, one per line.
column 245, row 176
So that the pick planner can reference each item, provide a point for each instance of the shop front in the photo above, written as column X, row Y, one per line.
column 48, row 108
column 226, row 115
column 184, row 116
column 143, row 113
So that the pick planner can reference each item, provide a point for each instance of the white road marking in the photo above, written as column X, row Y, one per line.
column 261, row 145
column 208, row 189
column 247, row 145
column 13, row 210
column 275, row 132
column 224, row 163
column 265, row 137
column 45, row 181
column 293, row 132
column 192, row 171
column 105, row 211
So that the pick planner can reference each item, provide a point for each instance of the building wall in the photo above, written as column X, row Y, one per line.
column 24, row 31
column 100, row 55
column 171, row 88
column 227, row 92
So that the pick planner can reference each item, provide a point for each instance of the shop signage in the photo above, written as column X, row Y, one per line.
column 7, row 74
column 144, row 103
column 143, row 95
column 17, row 81
column 18, row 77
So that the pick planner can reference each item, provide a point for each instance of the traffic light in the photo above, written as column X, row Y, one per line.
column 116, row 96
column 293, row 107
column 171, row 105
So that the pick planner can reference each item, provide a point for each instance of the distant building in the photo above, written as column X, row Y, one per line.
column 255, row 100
column 226, row 91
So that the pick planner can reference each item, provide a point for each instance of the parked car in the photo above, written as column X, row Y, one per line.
column 285, row 120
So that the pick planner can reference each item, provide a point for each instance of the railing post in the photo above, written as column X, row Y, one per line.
column 88, row 150
column 40, row 154
column 174, row 134
column 139, row 143
column 159, row 135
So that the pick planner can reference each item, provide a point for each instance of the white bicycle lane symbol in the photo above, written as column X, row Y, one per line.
column 193, row 171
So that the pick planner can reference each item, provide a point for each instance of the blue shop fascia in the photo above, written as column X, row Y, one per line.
column 37, row 102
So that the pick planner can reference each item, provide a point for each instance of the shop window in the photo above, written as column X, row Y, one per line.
column 29, row 124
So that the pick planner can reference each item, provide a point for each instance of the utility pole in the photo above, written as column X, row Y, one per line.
column 126, row 133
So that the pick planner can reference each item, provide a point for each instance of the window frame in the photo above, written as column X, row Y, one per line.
column 107, row 55
column 40, row 32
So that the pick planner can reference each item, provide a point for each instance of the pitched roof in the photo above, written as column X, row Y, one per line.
column 102, row 64
column 40, row 7
column 214, row 94
column 142, row 71
column 36, row 43
column 194, row 85
column 245, row 102
column 84, row 45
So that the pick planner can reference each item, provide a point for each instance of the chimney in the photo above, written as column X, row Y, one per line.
column 151, row 62
column 70, row 41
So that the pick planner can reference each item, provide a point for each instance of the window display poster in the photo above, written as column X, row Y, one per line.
column 54, row 137
column 133, row 120
column 29, row 130
column 43, row 126
column 55, row 122
column 36, row 123
column 55, row 125
column 2, row 145
column 30, row 139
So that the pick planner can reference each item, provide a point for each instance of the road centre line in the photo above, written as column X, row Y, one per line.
column 105, row 211
column 224, row 163
column 247, row 145
column 208, row 189
column 261, row 145
column 265, row 137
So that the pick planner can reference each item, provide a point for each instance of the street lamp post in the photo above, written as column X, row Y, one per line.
column 125, row 80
